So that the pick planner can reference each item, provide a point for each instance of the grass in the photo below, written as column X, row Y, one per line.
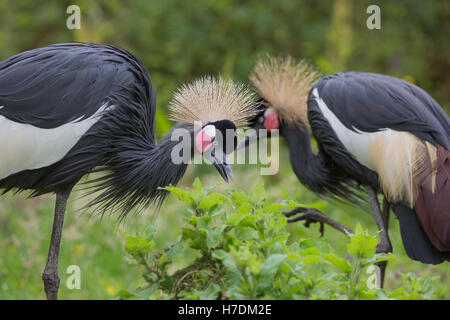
column 96, row 246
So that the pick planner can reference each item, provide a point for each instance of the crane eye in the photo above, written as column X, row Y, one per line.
column 261, row 119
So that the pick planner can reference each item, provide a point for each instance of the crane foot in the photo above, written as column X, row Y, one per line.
column 312, row 215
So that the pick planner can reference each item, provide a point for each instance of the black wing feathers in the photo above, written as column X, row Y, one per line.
column 88, row 75
column 50, row 86
column 370, row 102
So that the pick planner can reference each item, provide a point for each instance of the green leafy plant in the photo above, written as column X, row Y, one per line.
column 243, row 252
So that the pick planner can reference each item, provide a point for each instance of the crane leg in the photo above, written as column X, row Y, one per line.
column 382, row 221
column 50, row 274
column 312, row 215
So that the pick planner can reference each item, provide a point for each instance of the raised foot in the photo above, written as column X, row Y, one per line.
column 312, row 215
column 308, row 215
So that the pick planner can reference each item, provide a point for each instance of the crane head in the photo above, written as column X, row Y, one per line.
column 220, row 106
column 266, row 119
column 214, row 141
column 283, row 85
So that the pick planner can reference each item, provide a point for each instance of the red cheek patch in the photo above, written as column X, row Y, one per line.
column 271, row 121
column 202, row 141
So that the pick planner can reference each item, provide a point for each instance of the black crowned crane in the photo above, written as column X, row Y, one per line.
column 372, row 130
column 67, row 110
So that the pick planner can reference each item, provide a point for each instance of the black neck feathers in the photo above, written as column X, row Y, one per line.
column 314, row 170
column 133, row 177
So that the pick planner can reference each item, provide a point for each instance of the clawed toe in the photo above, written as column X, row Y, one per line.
column 294, row 212
column 311, row 215
column 308, row 217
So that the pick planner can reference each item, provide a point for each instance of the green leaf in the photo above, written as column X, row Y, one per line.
column 125, row 294
column 211, row 187
column 211, row 200
column 249, row 220
column 254, row 265
column 146, row 293
column 197, row 192
column 295, row 204
column 245, row 208
column 203, row 222
column 174, row 248
column 361, row 244
column 163, row 259
column 274, row 207
column 249, row 246
column 311, row 259
column 278, row 224
column 340, row 263
column 210, row 293
column 272, row 263
column 380, row 257
column 235, row 219
column 321, row 246
column 138, row 245
column 181, row 195
column 257, row 192
column 150, row 231
column 189, row 233
column 246, row 233
column 245, row 258
column 214, row 238
column 239, row 198
column 226, row 259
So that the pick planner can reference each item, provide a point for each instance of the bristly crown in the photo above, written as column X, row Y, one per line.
column 210, row 99
column 285, row 84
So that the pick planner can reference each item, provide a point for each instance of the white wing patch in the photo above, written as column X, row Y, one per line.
column 357, row 143
column 401, row 160
column 26, row 147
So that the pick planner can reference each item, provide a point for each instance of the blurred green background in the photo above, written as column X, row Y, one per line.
column 178, row 41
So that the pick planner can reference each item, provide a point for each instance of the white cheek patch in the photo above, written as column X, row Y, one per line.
column 204, row 138
column 269, row 111
column 210, row 131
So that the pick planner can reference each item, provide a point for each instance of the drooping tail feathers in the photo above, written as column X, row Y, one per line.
column 433, row 202
column 415, row 241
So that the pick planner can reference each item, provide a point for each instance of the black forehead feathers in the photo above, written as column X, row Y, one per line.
column 260, row 105
column 223, row 125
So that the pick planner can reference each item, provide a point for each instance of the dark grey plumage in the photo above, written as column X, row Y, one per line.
column 75, row 109
column 57, row 84
column 371, row 102
column 354, row 105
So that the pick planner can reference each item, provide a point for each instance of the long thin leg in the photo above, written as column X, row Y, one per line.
column 312, row 215
column 383, row 264
column 50, row 274
column 382, row 221
column 386, row 211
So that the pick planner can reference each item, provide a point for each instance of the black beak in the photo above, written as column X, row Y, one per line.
column 252, row 136
column 219, row 160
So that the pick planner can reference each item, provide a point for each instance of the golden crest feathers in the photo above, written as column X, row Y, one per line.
column 285, row 84
column 209, row 99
